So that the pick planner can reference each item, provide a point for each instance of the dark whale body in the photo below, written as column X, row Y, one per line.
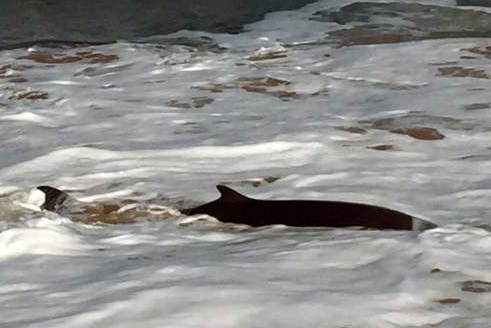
column 53, row 198
column 236, row 208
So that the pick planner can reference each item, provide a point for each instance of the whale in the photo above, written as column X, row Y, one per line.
column 233, row 207
column 53, row 198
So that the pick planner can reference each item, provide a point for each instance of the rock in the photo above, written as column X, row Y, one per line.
column 485, row 51
column 62, row 58
column 27, row 22
column 9, row 71
column 177, row 104
column 476, row 286
column 375, row 23
column 199, row 102
column 458, row 71
column 18, row 79
column 196, row 102
column 482, row 3
column 271, row 55
column 267, row 85
column 450, row 300
column 30, row 95
column 477, row 106
column 413, row 119
column 352, row 129
column 203, row 43
column 381, row 147
column 420, row 133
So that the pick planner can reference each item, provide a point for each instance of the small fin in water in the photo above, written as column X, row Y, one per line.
column 53, row 198
column 229, row 195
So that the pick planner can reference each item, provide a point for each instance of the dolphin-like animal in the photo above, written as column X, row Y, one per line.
column 237, row 208
column 53, row 198
column 234, row 207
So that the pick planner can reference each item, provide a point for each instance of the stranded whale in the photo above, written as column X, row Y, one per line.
column 234, row 207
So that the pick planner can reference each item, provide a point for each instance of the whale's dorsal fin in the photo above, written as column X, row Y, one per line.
column 53, row 198
column 229, row 195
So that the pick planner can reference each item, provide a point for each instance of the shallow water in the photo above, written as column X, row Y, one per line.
column 276, row 112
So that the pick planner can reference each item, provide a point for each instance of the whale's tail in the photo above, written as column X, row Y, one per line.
column 53, row 198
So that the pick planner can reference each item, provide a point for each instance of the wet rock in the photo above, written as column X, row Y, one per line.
column 267, row 81
column 177, row 104
column 476, row 286
column 107, row 21
column 375, row 23
column 420, row 119
column 459, row 71
column 482, row 3
column 196, row 102
column 4, row 69
column 11, row 72
column 199, row 102
column 477, row 106
column 360, row 35
column 102, row 69
column 267, row 85
column 381, row 147
column 420, row 133
column 213, row 87
column 270, row 55
column 18, row 79
column 352, row 129
column 116, row 214
column 484, row 51
column 271, row 179
column 62, row 58
column 445, row 63
column 476, row 157
column 198, row 44
column 30, row 95
column 450, row 300
column 189, row 128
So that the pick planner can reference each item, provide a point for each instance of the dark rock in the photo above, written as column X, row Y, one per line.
column 61, row 58
column 381, row 147
column 482, row 3
column 370, row 23
column 352, row 129
column 420, row 119
column 267, row 85
column 477, row 106
column 29, row 95
column 196, row 102
column 450, row 300
column 459, row 71
column 92, row 21
column 476, row 286
column 420, row 133
column 202, row 43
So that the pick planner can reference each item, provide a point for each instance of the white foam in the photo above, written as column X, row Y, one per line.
column 26, row 116
column 41, row 239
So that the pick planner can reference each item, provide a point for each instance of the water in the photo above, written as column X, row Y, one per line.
column 162, row 123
